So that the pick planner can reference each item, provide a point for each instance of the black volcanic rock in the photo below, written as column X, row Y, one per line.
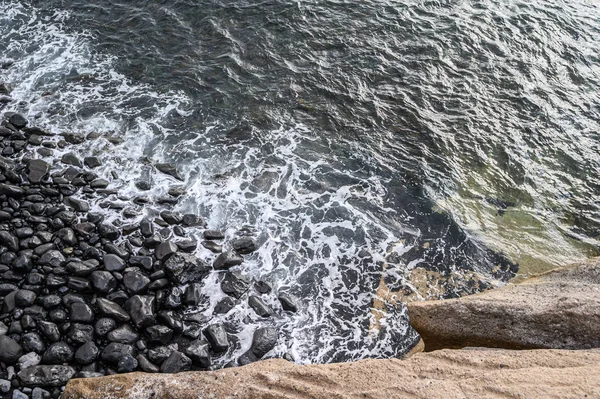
column 244, row 245
column 217, row 337
column 288, row 302
column 260, row 306
column 43, row 375
column 227, row 260
column 141, row 310
column 198, row 351
column 183, row 268
column 235, row 284
column 176, row 363
column 169, row 169
column 57, row 353
column 10, row 350
column 111, row 309
column 37, row 169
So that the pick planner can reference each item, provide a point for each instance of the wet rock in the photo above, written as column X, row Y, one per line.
column 227, row 260
column 171, row 217
column 135, row 282
column 79, row 284
column 73, row 138
column 193, row 294
column 262, row 286
column 171, row 319
column 87, row 353
column 77, row 204
column 141, row 261
column 67, row 236
column 18, row 121
column 112, row 309
column 85, row 229
column 288, row 301
column 113, row 263
column 114, row 352
column 217, row 338
column 52, row 258
column 198, row 352
column 183, row 268
column 71, row 159
column 263, row 340
column 173, row 299
column 9, row 241
column 187, row 245
column 146, row 227
column 28, row 360
column 175, row 363
column 159, row 334
column 103, row 281
column 213, row 235
column 92, row 162
column 37, row 170
column 80, row 333
column 108, row 231
column 81, row 312
column 244, row 245
column 140, row 308
column 11, row 191
column 50, row 330
column 82, row 269
column 127, row 364
column 24, row 298
column 4, row 386
column 212, row 246
column 260, row 306
column 165, row 250
column 32, row 342
column 161, row 353
column 235, row 284
column 10, row 350
column 169, row 169
column 57, row 353
column 104, row 325
column 123, row 335
column 42, row 375
column 192, row 220
column 224, row 305
column 146, row 365
column 153, row 241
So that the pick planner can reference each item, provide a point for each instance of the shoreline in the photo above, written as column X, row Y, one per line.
column 84, row 297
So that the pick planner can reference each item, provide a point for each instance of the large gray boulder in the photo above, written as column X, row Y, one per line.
column 559, row 309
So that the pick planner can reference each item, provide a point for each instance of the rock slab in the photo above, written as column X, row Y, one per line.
column 559, row 309
column 550, row 374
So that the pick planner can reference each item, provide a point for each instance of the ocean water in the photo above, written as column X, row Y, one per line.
column 365, row 144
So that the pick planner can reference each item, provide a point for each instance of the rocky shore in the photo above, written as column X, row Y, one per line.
column 81, row 296
column 559, row 309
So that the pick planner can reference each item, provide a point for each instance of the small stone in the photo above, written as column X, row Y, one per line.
column 127, row 364
column 187, row 245
column 227, row 260
column 192, row 220
column 135, row 282
column 198, row 351
column 123, row 335
column 28, row 360
column 10, row 350
column 140, row 308
column 77, row 204
column 244, row 245
column 183, row 268
column 224, row 305
column 263, row 340
column 193, row 294
column 24, row 298
column 92, row 162
column 4, row 386
column 114, row 352
column 159, row 334
column 113, row 263
column 50, row 330
column 52, row 375
column 235, row 284
column 104, row 325
column 112, row 309
column 81, row 312
column 262, row 286
column 87, row 353
column 67, row 236
column 9, row 241
column 170, row 170
column 217, row 337
column 165, row 250
column 171, row 217
column 288, row 302
column 33, row 342
column 80, row 333
column 213, row 235
column 37, row 170
column 18, row 121
column 260, row 306
column 146, row 365
column 57, row 353
column 212, row 246
column 71, row 159
column 103, row 281
column 176, row 363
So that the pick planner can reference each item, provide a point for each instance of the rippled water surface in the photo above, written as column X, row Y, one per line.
column 369, row 145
